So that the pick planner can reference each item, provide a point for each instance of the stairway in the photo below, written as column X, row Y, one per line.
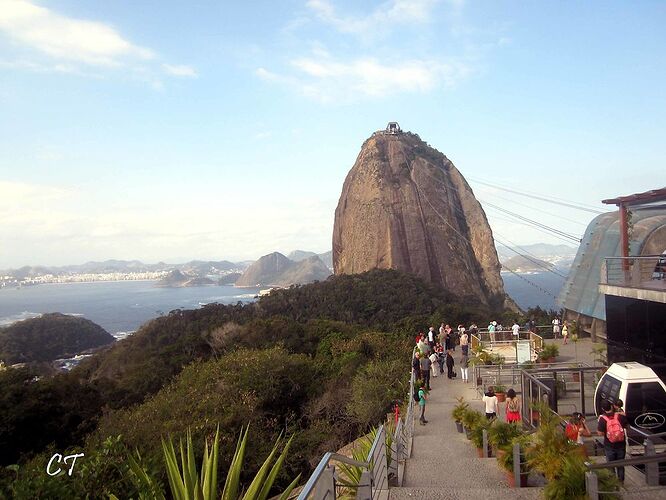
column 444, row 464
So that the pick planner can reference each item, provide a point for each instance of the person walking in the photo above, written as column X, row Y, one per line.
column 422, row 403
column 449, row 364
column 464, row 364
column 425, row 371
column 565, row 331
column 512, row 407
column 612, row 427
column 442, row 334
column 416, row 366
column 576, row 429
column 447, row 337
column 516, row 330
column 490, row 400
column 491, row 331
column 434, row 368
column 556, row 326
column 464, row 342
column 431, row 337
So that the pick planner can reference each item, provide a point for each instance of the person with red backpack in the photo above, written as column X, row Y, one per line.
column 612, row 426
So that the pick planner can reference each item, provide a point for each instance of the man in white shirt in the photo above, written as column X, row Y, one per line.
column 431, row 337
column 556, row 327
column 490, row 401
column 516, row 329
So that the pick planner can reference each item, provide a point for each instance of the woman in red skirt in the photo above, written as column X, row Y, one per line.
column 512, row 407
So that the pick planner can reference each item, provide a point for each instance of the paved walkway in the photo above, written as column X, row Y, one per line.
column 444, row 464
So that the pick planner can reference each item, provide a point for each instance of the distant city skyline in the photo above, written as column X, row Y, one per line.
column 165, row 131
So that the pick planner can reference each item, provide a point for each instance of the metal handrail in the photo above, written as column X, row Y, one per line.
column 661, row 457
column 375, row 471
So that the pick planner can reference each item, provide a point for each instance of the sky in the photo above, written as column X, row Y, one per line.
column 171, row 131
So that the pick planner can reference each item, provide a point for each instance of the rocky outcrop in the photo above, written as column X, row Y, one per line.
column 50, row 337
column 277, row 270
column 405, row 206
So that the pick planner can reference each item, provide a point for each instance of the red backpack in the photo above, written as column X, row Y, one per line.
column 614, row 430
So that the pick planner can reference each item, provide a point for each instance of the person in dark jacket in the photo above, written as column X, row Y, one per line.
column 416, row 366
column 449, row 364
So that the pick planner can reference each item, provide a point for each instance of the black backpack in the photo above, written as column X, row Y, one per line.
column 417, row 398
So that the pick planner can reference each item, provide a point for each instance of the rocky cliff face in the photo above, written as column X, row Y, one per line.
column 405, row 206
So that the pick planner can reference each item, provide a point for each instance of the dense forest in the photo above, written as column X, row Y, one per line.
column 322, row 362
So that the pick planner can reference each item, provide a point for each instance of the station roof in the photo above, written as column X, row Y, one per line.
column 638, row 198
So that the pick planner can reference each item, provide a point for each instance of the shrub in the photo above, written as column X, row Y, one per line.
column 500, row 434
column 459, row 409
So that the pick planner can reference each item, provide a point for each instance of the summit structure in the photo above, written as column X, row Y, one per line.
column 405, row 206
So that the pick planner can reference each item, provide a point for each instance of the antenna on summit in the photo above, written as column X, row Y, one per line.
column 393, row 128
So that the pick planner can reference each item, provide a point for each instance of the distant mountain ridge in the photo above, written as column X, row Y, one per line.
column 198, row 267
column 526, row 264
column 560, row 256
column 275, row 269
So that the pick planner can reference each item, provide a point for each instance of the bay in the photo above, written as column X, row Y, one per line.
column 527, row 295
column 120, row 307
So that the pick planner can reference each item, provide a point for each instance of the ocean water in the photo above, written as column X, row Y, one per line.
column 120, row 307
column 527, row 295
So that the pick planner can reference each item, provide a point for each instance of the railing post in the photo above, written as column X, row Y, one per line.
column 364, row 491
column 326, row 484
column 582, row 391
column 516, row 464
column 485, row 443
column 651, row 470
column 592, row 485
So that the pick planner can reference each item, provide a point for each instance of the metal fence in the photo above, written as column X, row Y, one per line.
column 384, row 464
column 637, row 272
column 651, row 461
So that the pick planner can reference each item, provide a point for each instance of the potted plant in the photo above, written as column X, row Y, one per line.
column 570, row 483
column 470, row 419
column 505, row 460
column 526, row 365
column 500, row 392
column 549, row 445
column 548, row 353
column 500, row 435
column 476, row 435
column 458, row 413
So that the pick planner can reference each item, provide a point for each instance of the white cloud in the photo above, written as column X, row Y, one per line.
column 62, row 37
column 180, row 70
column 57, row 43
column 330, row 80
column 386, row 15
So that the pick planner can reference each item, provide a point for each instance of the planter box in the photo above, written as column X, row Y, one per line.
column 512, row 480
column 459, row 427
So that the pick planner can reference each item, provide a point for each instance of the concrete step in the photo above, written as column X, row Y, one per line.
column 448, row 493
column 456, row 473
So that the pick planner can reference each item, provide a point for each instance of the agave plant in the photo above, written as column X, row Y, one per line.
column 186, row 484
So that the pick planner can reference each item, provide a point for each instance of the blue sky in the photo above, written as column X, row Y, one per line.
column 175, row 130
